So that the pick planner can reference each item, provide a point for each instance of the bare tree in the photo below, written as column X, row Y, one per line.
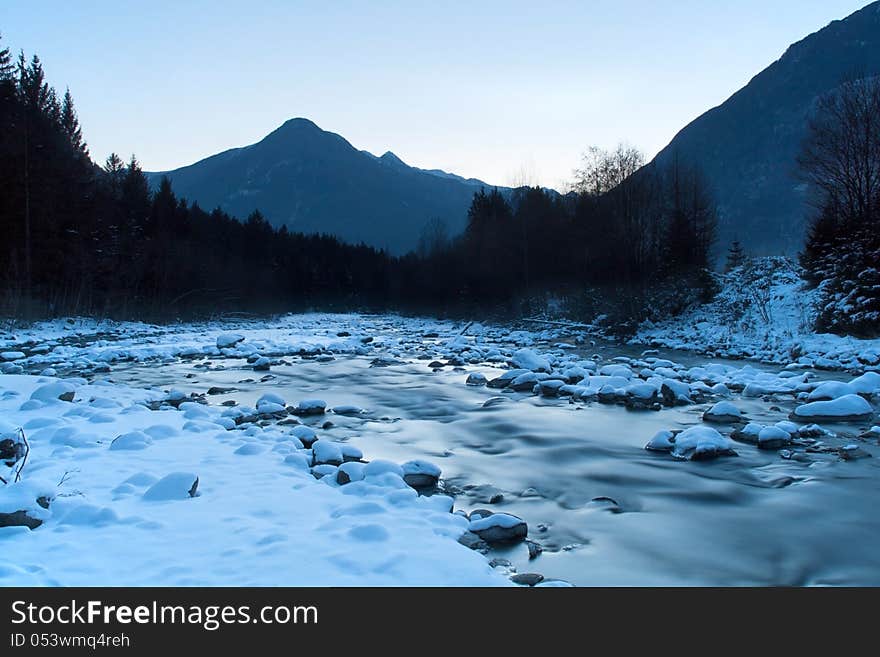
column 604, row 170
column 434, row 237
column 841, row 155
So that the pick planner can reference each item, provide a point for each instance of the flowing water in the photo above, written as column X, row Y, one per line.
column 605, row 511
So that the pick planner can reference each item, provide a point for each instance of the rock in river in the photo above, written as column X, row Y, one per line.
column 701, row 443
column 723, row 412
column 229, row 340
column 420, row 474
column 527, row 579
column 311, row 407
column 844, row 409
column 326, row 452
column 773, row 438
column 500, row 528
column 663, row 441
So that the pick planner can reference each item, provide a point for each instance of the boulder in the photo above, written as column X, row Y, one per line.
column 311, row 407
column 701, row 443
column 723, row 413
column 499, row 528
column 527, row 579
column 420, row 474
column 773, row 438
column 59, row 390
column 848, row 408
column 175, row 486
column 229, row 340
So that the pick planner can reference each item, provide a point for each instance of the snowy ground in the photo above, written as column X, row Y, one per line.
column 259, row 516
column 115, row 457
column 765, row 312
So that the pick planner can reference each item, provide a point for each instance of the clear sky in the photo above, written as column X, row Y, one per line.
column 503, row 91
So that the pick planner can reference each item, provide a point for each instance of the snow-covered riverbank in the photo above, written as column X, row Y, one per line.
column 765, row 312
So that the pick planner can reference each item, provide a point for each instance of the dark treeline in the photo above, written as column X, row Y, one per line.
column 82, row 238
column 841, row 162
column 632, row 241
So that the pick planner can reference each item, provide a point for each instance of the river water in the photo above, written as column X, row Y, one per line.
column 605, row 511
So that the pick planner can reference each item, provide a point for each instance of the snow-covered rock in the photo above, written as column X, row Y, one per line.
column 133, row 440
column 866, row 384
column 380, row 467
column 347, row 409
column 271, row 398
column 348, row 472
column 51, row 392
column 675, row 392
column 506, row 378
column 773, row 438
column 420, row 474
column 723, row 412
column 499, row 528
column 311, row 407
column 663, row 441
column 848, row 407
column 174, row 486
column 326, row 452
column 527, row 359
column 524, row 382
column 229, row 340
column 832, row 390
column 701, row 443
column 306, row 435
column 270, row 408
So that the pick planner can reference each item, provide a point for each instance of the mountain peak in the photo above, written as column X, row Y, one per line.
column 304, row 136
column 391, row 159
column 300, row 122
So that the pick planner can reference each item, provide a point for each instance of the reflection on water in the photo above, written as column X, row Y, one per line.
column 752, row 520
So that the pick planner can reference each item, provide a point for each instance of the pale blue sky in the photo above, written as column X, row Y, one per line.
column 503, row 91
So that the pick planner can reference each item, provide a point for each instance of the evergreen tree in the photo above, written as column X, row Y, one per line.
column 114, row 167
column 36, row 94
column 70, row 125
column 736, row 256
column 7, row 68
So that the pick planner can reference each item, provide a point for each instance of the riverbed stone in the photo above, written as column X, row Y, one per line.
column 535, row 549
column 723, row 413
column 474, row 542
column 500, row 528
column 527, row 579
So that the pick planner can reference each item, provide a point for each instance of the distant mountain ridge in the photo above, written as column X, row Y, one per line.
column 747, row 147
column 391, row 160
column 314, row 181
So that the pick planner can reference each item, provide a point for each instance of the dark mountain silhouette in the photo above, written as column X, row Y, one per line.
column 747, row 147
column 313, row 181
